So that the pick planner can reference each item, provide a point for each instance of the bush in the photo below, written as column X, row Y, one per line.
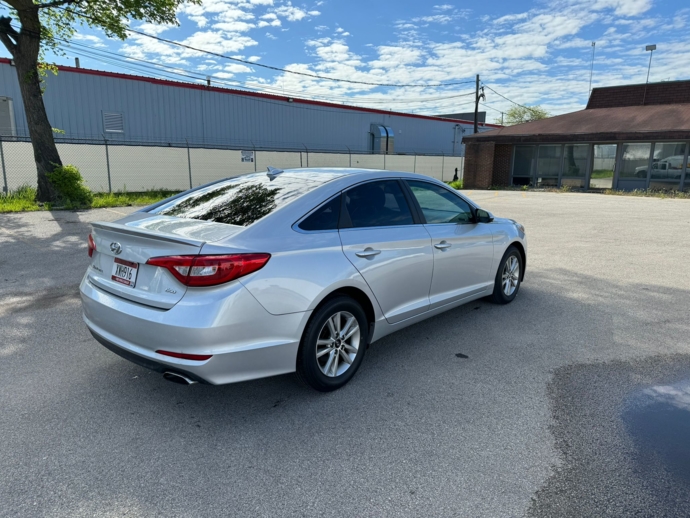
column 69, row 184
column 456, row 184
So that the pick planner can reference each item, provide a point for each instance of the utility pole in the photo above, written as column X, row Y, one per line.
column 591, row 70
column 478, row 96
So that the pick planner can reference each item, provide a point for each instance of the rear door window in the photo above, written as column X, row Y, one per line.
column 377, row 204
column 245, row 199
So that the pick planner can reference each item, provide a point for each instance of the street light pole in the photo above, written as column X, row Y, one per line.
column 650, row 49
column 591, row 70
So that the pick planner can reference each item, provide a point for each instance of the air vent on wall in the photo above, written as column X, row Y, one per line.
column 113, row 122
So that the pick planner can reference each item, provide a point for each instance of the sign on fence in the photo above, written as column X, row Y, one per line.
column 247, row 156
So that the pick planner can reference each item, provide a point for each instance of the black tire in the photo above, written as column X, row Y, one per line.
column 499, row 296
column 309, row 369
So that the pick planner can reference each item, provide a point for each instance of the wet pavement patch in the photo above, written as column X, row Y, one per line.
column 622, row 431
column 658, row 420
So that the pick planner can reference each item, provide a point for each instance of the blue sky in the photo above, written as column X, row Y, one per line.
column 533, row 52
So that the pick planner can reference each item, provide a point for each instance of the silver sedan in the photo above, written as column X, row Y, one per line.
column 297, row 270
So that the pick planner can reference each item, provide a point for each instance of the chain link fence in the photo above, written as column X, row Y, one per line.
column 112, row 166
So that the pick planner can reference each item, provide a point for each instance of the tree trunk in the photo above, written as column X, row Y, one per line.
column 26, row 62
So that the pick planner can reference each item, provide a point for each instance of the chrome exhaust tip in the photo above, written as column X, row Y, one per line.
column 178, row 378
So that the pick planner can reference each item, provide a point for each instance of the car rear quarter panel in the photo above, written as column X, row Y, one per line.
column 304, row 269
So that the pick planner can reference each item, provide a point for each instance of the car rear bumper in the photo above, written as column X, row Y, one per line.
column 244, row 340
column 142, row 361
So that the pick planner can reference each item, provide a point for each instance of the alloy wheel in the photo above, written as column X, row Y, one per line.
column 510, row 276
column 338, row 343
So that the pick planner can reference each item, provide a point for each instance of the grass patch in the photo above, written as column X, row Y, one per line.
column 681, row 195
column 23, row 199
column 602, row 173
column 126, row 199
column 19, row 200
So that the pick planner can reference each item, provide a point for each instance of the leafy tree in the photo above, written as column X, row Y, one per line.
column 520, row 114
column 35, row 26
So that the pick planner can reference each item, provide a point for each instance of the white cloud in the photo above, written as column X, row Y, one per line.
column 216, row 41
column 624, row 7
column 273, row 23
column 90, row 39
column 539, row 55
column 153, row 29
column 234, row 26
column 237, row 68
column 436, row 18
column 201, row 21
column 292, row 13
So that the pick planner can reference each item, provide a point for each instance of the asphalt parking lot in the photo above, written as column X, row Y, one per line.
column 546, row 416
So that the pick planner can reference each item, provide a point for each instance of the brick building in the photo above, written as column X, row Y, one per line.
column 628, row 137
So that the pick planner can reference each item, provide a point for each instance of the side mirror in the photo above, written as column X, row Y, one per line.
column 484, row 216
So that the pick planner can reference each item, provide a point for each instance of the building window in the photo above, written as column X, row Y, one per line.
column 574, row 165
column 549, row 165
column 113, row 122
column 603, row 164
column 522, row 165
column 667, row 165
column 635, row 160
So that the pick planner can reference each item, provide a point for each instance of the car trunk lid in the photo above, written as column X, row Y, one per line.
column 119, row 266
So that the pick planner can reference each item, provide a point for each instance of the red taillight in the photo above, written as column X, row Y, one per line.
column 183, row 356
column 210, row 270
column 92, row 246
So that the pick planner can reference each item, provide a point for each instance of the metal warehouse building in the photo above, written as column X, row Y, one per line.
column 91, row 104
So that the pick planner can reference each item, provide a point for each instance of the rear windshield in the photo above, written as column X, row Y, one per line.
column 245, row 199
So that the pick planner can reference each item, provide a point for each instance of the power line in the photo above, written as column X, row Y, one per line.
column 269, row 67
column 273, row 102
column 509, row 100
column 115, row 59
column 96, row 53
column 492, row 108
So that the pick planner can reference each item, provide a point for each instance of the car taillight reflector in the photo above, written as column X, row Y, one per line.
column 210, row 270
column 92, row 246
column 184, row 356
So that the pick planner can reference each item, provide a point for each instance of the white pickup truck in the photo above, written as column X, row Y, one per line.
column 669, row 168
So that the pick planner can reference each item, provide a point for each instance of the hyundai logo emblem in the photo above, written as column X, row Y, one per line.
column 116, row 248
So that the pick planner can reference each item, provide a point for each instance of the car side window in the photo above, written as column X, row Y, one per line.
column 377, row 204
column 324, row 218
column 440, row 205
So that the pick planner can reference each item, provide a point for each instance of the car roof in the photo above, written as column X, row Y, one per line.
column 351, row 172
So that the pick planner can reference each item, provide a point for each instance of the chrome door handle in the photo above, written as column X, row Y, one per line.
column 368, row 252
column 442, row 245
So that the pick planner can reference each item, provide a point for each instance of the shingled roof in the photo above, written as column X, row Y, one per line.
column 613, row 113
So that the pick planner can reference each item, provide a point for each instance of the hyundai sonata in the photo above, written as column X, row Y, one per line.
column 296, row 270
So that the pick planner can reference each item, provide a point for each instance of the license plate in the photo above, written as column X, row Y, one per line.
column 125, row 272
